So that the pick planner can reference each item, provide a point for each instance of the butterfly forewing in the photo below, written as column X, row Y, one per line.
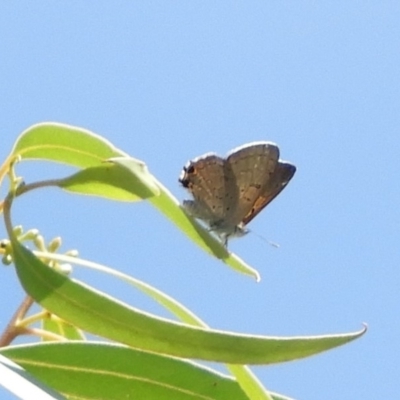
column 252, row 166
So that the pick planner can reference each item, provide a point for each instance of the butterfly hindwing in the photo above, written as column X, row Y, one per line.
column 204, row 177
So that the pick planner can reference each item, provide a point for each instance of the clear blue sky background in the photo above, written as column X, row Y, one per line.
column 167, row 81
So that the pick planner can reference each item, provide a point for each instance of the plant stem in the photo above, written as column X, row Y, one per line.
column 13, row 330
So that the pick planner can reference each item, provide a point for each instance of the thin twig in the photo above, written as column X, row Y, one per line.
column 13, row 330
column 36, row 185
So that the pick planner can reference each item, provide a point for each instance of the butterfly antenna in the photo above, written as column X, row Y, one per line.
column 273, row 244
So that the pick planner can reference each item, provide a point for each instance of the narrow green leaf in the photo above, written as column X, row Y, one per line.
column 98, row 313
column 65, row 144
column 113, row 181
column 23, row 384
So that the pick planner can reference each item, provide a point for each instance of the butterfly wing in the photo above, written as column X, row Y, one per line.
column 205, row 178
column 281, row 176
column 252, row 165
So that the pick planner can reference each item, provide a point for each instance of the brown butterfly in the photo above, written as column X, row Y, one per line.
column 229, row 192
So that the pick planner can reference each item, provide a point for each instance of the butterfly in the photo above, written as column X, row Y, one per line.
column 229, row 192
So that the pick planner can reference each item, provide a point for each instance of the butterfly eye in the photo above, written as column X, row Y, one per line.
column 190, row 169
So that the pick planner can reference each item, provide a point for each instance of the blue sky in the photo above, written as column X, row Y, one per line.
column 168, row 81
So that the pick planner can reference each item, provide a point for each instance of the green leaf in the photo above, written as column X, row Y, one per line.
column 100, row 314
column 22, row 384
column 93, row 371
column 123, row 180
column 65, row 144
